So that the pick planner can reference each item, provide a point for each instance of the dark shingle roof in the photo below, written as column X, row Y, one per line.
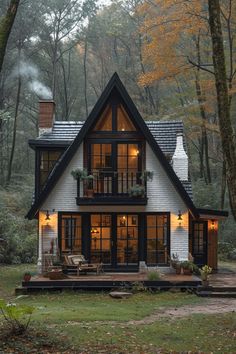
column 188, row 187
column 164, row 133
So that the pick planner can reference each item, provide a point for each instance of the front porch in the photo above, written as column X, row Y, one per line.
column 109, row 281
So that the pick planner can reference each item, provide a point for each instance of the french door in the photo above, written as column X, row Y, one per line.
column 199, row 239
column 127, row 240
column 115, row 166
column 121, row 240
column 114, row 239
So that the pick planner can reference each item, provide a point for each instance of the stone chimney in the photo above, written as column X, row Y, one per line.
column 180, row 159
column 46, row 116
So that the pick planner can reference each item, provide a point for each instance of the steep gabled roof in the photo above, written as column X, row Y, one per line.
column 114, row 84
column 64, row 132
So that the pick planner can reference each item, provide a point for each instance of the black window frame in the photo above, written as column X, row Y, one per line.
column 167, row 214
column 38, row 186
column 72, row 228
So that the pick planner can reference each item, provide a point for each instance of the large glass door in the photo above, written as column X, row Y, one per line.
column 114, row 239
column 128, row 166
column 101, row 167
column 127, row 240
column 100, row 239
column 157, row 237
column 115, row 166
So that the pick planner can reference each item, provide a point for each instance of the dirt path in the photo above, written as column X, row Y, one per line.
column 212, row 306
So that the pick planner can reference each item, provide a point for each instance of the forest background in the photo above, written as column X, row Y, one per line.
column 68, row 50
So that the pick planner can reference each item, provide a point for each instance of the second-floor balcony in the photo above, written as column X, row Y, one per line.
column 112, row 188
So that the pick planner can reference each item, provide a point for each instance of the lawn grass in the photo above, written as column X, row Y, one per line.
column 74, row 306
column 11, row 277
column 96, row 323
column 228, row 265
column 208, row 333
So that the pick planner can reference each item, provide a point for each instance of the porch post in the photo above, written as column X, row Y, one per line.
column 40, row 245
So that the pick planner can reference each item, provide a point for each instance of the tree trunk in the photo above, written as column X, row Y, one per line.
column 223, row 185
column 6, row 24
column 226, row 129
column 14, row 132
column 201, row 102
column 85, row 75
column 204, row 139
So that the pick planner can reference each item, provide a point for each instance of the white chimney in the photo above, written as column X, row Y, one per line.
column 180, row 159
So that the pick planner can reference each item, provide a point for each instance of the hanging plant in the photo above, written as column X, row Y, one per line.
column 147, row 175
column 137, row 191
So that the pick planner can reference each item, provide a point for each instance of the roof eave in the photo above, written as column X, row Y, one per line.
column 114, row 82
column 212, row 213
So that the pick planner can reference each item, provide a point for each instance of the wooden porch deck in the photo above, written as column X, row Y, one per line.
column 109, row 281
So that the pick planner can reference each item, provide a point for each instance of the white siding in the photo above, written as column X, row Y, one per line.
column 48, row 231
column 162, row 197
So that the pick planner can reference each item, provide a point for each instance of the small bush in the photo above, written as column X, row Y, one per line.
column 153, row 275
column 17, row 317
column 19, row 235
column 232, row 254
column 226, row 251
column 138, row 287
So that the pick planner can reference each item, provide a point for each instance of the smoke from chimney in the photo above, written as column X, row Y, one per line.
column 31, row 73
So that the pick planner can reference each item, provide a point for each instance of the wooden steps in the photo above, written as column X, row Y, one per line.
column 216, row 291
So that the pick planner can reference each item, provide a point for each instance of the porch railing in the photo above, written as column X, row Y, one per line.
column 111, row 183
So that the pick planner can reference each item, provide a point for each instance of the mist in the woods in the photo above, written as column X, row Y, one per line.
column 117, row 176
column 67, row 51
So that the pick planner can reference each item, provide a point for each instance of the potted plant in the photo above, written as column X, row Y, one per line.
column 147, row 176
column 82, row 175
column 205, row 272
column 137, row 191
column 27, row 276
column 89, row 191
column 79, row 174
column 187, row 267
column 175, row 263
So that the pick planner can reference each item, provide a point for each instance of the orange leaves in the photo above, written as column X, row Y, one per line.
column 168, row 29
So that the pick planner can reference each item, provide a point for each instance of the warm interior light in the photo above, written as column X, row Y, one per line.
column 47, row 216
column 137, row 152
column 94, row 231
column 123, row 129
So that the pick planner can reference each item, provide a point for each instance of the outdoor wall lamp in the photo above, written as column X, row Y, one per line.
column 47, row 216
column 180, row 219
column 213, row 224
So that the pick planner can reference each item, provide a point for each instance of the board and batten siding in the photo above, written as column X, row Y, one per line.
column 162, row 197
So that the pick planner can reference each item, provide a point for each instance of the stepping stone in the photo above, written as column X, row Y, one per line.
column 120, row 294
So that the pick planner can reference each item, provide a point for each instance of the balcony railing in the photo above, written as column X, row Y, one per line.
column 114, row 186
